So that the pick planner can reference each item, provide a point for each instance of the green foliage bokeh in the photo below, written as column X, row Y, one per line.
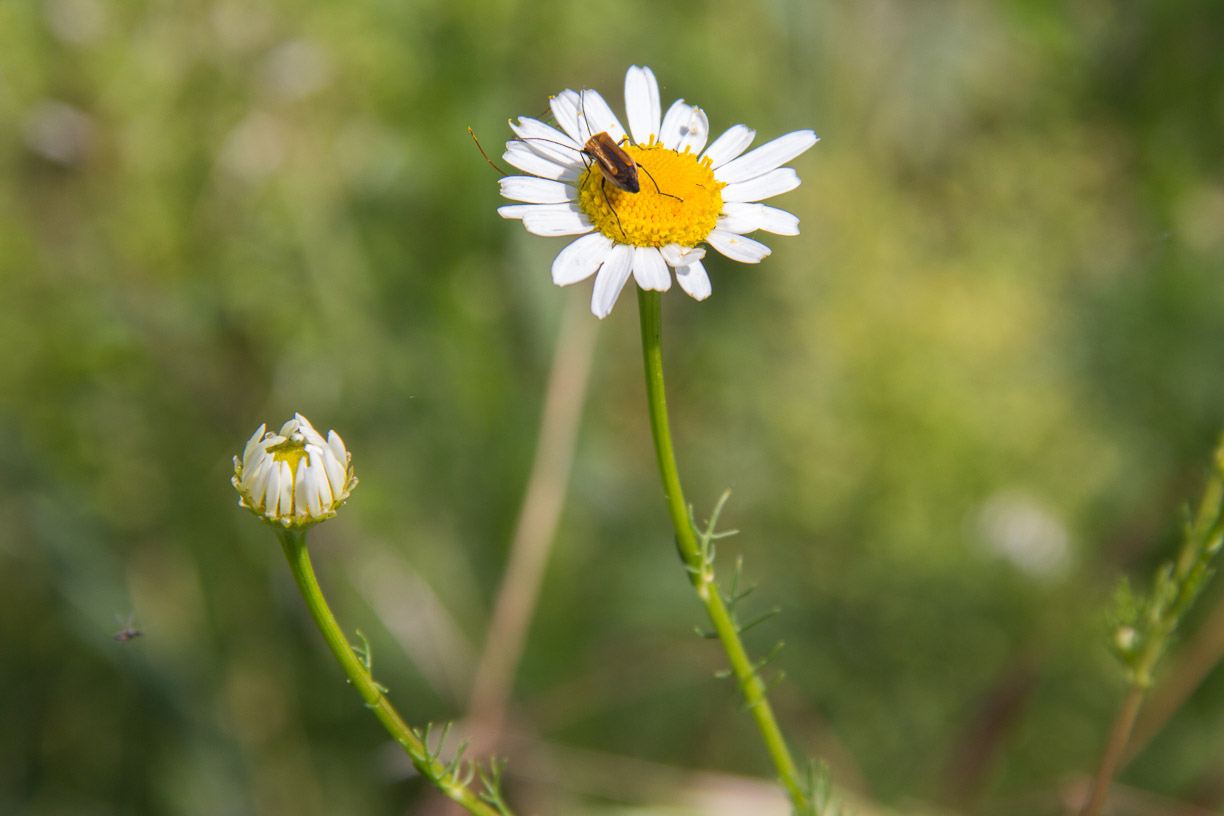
column 1004, row 312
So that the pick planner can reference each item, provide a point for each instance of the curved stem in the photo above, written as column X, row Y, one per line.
column 1118, row 738
column 444, row 777
column 701, row 571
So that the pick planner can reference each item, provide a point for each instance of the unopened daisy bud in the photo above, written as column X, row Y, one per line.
column 294, row 478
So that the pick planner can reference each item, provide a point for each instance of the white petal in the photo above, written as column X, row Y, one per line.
column 738, row 217
column 519, row 155
column 551, row 220
column 768, row 156
column 565, row 110
column 642, row 103
column 515, row 210
column 737, row 247
column 529, row 128
column 313, row 437
column 336, row 445
column 257, row 487
column 744, row 218
column 694, row 280
column 273, row 490
column 284, row 500
column 729, row 145
column 775, row 182
column 611, row 280
column 580, row 259
column 649, row 270
column 596, row 117
column 282, row 480
column 779, row 222
column 334, row 473
column 546, row 140
column 270, row 441
column 256, row 464
column 677, row 255
column 694, row 131
column 318, row 479
column 673, row 122
column 252, row 444
column 536, row 190
column 335, row 463
column 304, row 498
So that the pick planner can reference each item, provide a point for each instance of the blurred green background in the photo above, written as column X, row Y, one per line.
column 971, row 395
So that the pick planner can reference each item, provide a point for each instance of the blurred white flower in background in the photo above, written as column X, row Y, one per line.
column 1016, row 527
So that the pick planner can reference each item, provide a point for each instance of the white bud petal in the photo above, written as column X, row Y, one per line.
column 293, row 478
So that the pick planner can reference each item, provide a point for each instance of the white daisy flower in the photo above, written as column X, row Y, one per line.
column 685, row 197
column 294, row 478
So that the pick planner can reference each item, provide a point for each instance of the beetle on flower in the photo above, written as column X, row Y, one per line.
column 694, row 197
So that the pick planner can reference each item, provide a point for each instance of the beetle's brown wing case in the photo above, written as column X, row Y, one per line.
column 616, row 165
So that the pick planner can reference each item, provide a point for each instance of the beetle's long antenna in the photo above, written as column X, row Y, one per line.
column 602, row 189
column 472, row 133
column 582, row 110
column 656, row 184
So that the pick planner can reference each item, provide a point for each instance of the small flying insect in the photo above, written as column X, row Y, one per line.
column 128, row 632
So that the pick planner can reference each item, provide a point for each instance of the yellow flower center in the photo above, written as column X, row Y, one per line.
column 292, row 450
column 678, row 201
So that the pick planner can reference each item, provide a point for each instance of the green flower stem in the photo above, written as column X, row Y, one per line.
column 444, row 777
column 701, row 572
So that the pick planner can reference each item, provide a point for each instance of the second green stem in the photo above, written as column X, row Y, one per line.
column 443, row 777
column 701, row 573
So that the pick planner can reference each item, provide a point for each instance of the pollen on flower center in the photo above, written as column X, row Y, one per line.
column 678, row 201
column 292, row 450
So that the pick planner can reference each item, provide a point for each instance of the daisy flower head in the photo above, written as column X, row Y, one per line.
column 295, row 477
column 676, row 196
